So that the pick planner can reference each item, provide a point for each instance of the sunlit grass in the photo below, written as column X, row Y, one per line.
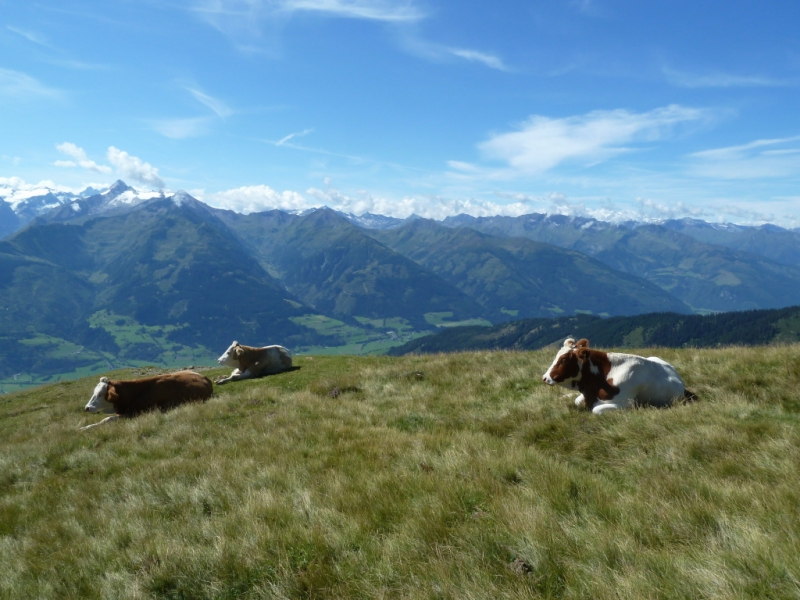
column 446, row 476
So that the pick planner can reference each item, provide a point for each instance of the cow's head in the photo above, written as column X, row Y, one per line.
column 566, row 368
column 231, row 355
column 101, row 400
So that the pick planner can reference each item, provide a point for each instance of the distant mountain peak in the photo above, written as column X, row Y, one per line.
column 369, row 220
column 90, row 191
column 117, row 188
column 325, row 216
column 181, row 197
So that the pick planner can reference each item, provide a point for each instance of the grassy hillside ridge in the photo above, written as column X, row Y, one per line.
column 449, row 476
column 748, row 328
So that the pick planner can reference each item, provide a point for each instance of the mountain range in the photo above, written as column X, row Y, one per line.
column 121, row 275
column 710, row 267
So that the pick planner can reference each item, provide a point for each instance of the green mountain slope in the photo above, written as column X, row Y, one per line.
column 705, row 276
column 9, row 221
column 522, row 277
column 755, row 327
column 772, row 242
column 337, row 268
column 165, row 263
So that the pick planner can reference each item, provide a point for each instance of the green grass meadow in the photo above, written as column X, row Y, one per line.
column 456, row 476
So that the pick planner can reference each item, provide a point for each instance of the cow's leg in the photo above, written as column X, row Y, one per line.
column 580, row 400
column 602, row 407
column 222, row 380
column 235, row 376
column 106, row 420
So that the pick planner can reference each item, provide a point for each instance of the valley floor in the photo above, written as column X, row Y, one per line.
column 440, row 476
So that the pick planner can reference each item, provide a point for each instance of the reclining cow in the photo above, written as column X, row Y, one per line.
column 609, row 380
column 254, row 362
column 130, row 398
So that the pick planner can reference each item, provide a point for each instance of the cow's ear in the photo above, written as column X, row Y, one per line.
column 111, row 394
column 237, row 351
column 104, row 380
column 582, row 343
column 569, row 343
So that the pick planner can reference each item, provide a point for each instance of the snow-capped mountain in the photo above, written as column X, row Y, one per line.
column 373, row 221
column 20, row 207
column 119, row 196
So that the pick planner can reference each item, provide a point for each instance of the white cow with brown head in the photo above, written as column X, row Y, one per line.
column 250, row 362
column 609, row 380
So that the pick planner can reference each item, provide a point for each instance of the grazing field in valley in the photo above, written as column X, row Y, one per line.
column 439, row 476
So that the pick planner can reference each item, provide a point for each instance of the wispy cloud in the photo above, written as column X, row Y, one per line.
column 542, row 143
column 31, row 36
column 14, row 84
column 586, row 7
column 41, row 40
column 291, row 136
column 721, row 80
column 488, row 60
column 188, row 127
column 240, row 19
column 79, row 65
column 377, row 10
column 221, row 109
column 768, row 158
column 178, row 129
column 134, row 168
column 80, row 159
column 443, row 54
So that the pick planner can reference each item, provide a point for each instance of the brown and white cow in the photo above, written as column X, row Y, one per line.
column 132, row 397
column 253, row 362
column 609, row 380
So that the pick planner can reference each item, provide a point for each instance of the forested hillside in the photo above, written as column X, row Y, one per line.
column 671, row 330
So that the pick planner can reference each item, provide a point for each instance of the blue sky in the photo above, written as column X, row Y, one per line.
column 607, row 108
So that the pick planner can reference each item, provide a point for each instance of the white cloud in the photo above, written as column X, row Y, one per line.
column 18, row 85
column 721, row 80
column 542, row 143
column 81, row 160
column 754, row 160
column 259, row 198
column 134, row 168
column 256, row 198
column 179, row 129
column 430, row 207
column 650, row 209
